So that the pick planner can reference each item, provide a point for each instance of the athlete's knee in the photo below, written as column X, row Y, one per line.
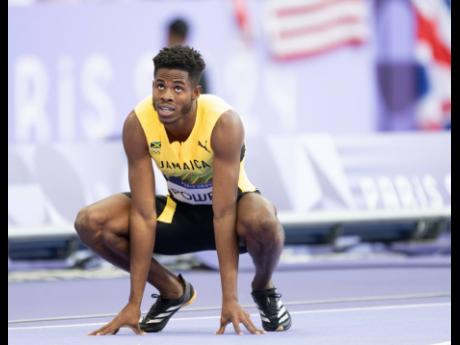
column 88, row 224
column 263, row 227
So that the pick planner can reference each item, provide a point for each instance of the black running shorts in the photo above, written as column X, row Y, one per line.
column 184, row 228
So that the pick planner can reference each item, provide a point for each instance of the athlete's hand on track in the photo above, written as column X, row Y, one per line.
column 233, row 313
column 128, row 317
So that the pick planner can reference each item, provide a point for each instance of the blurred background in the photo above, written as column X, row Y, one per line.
column 346, row 106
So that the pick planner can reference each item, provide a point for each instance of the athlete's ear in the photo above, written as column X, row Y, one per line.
column 196, row 91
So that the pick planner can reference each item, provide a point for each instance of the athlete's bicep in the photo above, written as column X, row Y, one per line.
column 226, row 142
column 140, row 170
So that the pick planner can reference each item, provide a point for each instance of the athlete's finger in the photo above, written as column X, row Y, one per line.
column 236, row 326
column 98, row 331
column 137, row 330
column 108, row 330
column 221, row 330
column 251, row 327
column 223, row 324
column 114, row 331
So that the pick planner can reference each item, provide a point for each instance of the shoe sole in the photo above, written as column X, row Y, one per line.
column 280, row 328
column 191, row 300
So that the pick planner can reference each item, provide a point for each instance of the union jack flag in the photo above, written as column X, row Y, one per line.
column 433, row 61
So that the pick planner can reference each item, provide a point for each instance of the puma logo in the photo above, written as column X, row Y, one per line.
column 204, row 146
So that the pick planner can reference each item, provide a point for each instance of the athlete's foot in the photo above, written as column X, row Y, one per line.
column 273, row 313
column 164, row 308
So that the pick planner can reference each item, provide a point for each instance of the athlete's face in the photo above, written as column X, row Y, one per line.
column 173, row 94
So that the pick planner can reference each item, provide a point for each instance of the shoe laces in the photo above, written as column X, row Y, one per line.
column 157, row 305
column 272, row 303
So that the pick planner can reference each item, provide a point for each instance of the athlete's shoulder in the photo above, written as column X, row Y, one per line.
column 213, row 102
column 209, row 97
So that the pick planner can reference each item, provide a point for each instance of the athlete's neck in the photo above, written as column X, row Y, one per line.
column 181, row 129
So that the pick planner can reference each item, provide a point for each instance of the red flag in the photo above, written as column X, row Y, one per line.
column 242, row 18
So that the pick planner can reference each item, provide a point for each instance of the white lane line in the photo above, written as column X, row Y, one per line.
column 444, row 343
column 335, row 310
column 287, row 303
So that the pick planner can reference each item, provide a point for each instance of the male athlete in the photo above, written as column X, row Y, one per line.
column 197, row 142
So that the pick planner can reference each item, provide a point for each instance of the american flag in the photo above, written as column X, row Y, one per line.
column 433, row 59
column 299, row 28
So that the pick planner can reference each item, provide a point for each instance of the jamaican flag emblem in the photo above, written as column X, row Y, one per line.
column 155, row 146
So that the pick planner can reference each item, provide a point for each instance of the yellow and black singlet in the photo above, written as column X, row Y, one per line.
column 187, row 165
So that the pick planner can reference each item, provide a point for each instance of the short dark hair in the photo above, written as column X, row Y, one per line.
column 178, row 27
column 183, row 58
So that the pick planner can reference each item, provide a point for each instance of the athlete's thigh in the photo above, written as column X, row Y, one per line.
column 112, row 212
column 252, row 207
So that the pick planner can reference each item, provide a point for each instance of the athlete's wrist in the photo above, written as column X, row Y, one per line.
column 229, row 297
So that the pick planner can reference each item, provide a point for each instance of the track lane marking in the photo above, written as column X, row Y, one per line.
column 320, row 311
